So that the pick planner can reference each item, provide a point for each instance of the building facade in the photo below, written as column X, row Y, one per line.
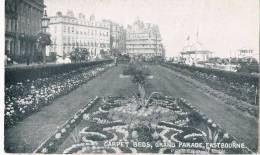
column 69, row 32
column 22, row 23
column 117, row 37
column 193, row 57
column 143, row 39
column 245, row 53
column 195, row 53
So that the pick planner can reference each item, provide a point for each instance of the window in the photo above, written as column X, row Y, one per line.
column 6, row 23
column 13, row 25
column 9, row 25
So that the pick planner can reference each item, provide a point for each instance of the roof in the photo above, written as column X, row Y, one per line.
column 196, row 52
column 196, row 48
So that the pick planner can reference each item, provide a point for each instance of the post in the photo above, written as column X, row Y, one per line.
column 44, row 54
column 256, row 93
column 45, row 22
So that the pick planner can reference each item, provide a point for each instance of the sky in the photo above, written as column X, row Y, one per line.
column 222, row 26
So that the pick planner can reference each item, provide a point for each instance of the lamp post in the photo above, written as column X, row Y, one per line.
column 45, row 22
column 44, row 25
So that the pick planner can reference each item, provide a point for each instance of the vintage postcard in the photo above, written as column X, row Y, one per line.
column 131, row 76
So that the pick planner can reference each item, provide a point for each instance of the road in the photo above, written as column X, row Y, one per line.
column 27, row 135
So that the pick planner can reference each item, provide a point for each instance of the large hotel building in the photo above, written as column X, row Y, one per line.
column 69, row 32
column 143, row 39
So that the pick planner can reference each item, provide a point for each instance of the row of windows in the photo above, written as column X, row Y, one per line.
column 82, row 39
column 90, row 44
column 80, row 22
column 144, row 53
column 68, row 49
column 142, row 35
column 69, row 29
column 137, row 42
column 28, row 21
column 10, row 25
column 27, row 9
column 144, row 45
column 29, row 25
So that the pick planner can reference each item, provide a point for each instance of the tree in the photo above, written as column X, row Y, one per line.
column 79, row 55
column 43, row 40
column 84, row 54
column 248, row 65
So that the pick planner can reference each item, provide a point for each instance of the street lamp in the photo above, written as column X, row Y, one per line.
column 45, row 21
column 44, row 35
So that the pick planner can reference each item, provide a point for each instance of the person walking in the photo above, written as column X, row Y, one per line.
column 116, row 61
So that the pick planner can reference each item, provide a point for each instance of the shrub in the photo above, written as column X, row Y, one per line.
column 224, row 75
column 20, row 74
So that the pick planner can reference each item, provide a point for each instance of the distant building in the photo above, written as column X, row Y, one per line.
column 193, row 54
column 143, row 39
column 69, row 32
column 245, row 53
column 122, row 41
column 117, row 37
column 22, row 23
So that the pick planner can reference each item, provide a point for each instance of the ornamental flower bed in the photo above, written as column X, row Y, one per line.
column 166, row 125
column 51, row 144
column 24, row 98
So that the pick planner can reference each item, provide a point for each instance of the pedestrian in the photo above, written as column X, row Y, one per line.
column 116, row 61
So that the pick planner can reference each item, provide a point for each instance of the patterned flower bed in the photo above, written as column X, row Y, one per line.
column 22, row 99
column 51, row 144
column 166, row 125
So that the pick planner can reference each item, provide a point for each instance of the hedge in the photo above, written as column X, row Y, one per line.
column 20, row 74
column 225, row 75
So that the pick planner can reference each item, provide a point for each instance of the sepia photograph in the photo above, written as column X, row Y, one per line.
column 130, row 76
